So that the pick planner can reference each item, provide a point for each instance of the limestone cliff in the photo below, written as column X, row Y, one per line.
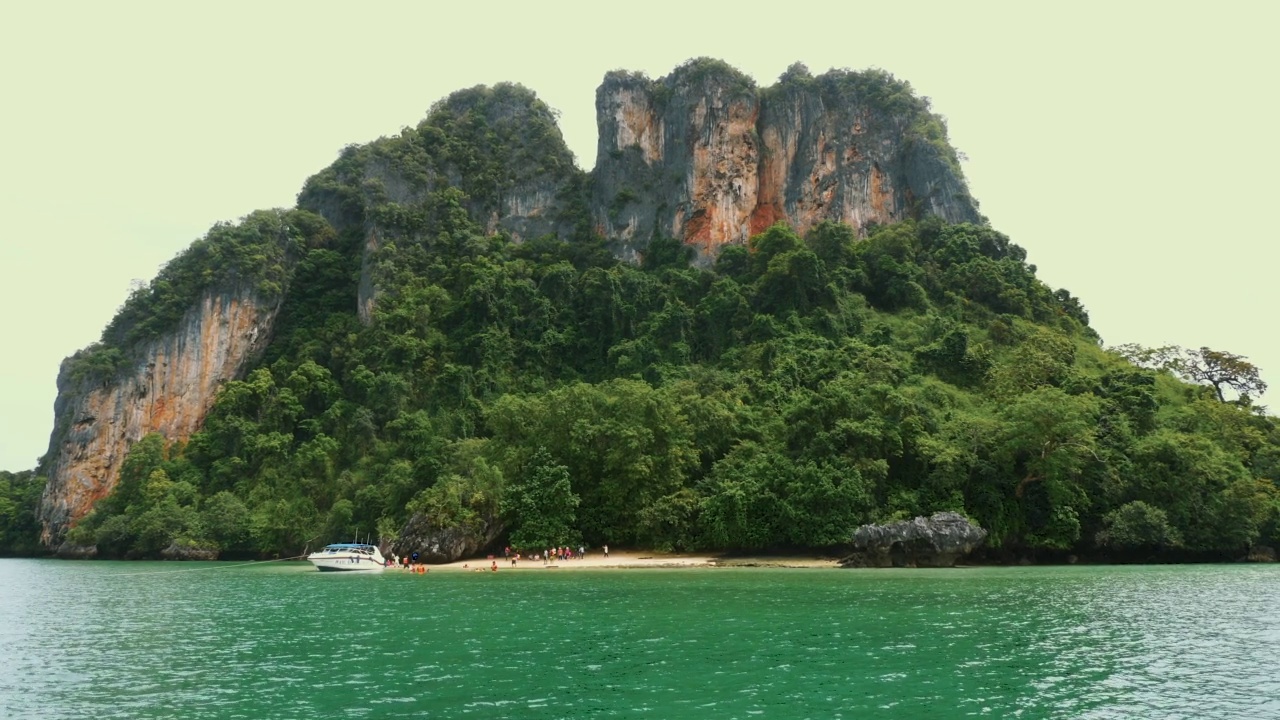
column 204, row 320
column 703, row 156
column 677, row 158
column 167, row 389
column 498, row 148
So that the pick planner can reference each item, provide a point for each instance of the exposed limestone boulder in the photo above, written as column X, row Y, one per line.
column 68, row 551
column 1261, row 554
column 177, row 551
column 435, row 544
column 936, row 541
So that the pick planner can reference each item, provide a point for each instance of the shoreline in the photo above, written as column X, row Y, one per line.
column 625, row 559
column 631, row 559
column 640, row 558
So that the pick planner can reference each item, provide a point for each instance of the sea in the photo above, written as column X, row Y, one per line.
column 265, row 640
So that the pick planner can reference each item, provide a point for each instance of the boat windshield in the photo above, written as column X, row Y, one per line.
column 350, row 547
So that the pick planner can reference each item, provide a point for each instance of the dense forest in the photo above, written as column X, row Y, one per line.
column 543, row 392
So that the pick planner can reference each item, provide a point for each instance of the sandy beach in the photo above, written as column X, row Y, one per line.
column 627, row 559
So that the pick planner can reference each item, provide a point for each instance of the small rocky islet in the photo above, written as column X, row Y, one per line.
column 769, row 317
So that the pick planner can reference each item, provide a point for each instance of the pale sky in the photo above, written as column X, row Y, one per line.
column 1128, row 147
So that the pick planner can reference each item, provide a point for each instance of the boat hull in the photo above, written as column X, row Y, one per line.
column 348, row 558
column 327, row 566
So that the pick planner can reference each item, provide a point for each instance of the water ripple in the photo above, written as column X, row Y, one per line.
column 98, row 640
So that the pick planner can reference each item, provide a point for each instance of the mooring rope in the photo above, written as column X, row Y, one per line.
column 220, row 567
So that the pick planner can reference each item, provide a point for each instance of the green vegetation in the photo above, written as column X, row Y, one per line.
column 483, row 141
column 701, row 70
column 801, row 387
column 1223, row 371
column 795, row 391
column 19, row 499
column 255, row 253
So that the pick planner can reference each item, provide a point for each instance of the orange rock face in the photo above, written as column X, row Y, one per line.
column 704, row 160
column 638, row 124
column 722, row 179
column 169, row 391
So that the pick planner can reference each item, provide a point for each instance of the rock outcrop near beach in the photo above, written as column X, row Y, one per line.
column 436, row 545
column 1261, row 554
column 69, row 551
column 180, row 551
column 936, row 541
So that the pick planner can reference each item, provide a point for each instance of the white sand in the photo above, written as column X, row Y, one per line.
column 633, row 559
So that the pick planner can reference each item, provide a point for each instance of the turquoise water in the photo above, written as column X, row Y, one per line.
column 210, row 640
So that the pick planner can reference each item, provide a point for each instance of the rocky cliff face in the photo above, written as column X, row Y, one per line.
column 677, row 158
column 168, row 388
column 499, row 146
column 703, row 156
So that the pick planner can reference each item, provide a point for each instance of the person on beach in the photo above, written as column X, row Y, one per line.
column 606, row 550
column 495, row 566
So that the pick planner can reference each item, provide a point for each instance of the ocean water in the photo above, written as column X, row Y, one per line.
column 279, row 640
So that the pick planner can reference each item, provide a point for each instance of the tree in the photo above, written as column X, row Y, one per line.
column 543, row 505
column 144, row 459
column 666, row 252
column 226, row 520
column 624, row 444
column 1051, row 437
column 19, row 501
column 1191, row 478
column 834, row 243
column 1137, row 525
column 1220, row 370
column 467, row 498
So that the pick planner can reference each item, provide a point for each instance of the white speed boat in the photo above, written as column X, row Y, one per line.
column 348, row 557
